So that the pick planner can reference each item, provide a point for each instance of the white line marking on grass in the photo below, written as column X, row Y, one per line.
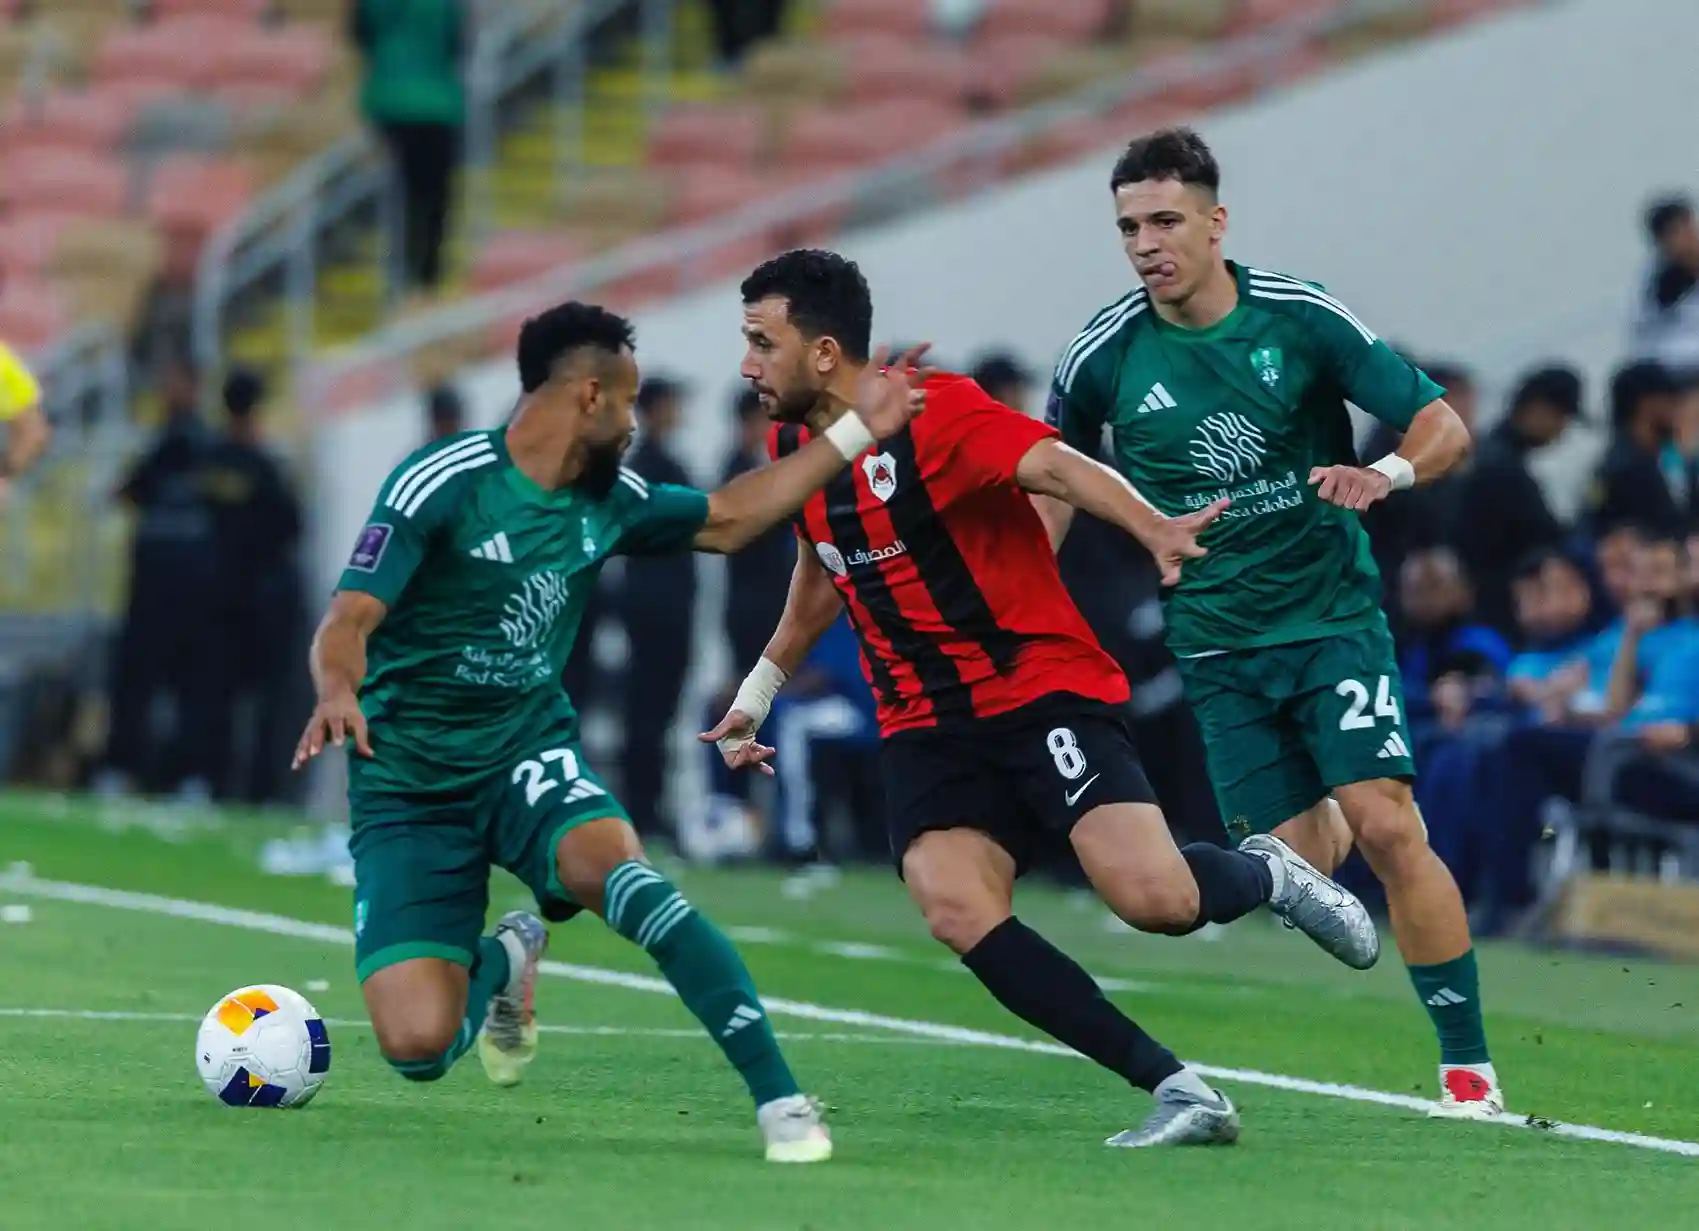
column 342, row 1023
column 282, row 925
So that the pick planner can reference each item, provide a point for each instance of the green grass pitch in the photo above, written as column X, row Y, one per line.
column 630, row 1119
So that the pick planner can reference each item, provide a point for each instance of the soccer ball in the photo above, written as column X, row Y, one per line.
column 263, row 1046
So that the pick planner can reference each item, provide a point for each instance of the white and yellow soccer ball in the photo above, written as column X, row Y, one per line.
column 263, row 1046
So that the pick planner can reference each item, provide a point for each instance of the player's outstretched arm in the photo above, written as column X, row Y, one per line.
column 810, row 608
column 1433, row 445
column 886, row 398
column 338, row 664
column 1052, row 469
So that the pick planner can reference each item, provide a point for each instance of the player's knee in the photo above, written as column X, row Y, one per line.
column 587, row 854
column 1166, row 906
column 1383, row 817
column 418, row 1050
column 959, row 922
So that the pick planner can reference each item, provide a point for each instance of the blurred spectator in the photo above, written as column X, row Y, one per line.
column 741, row 24
column 259, row 623
column 414, row 52
column 1555, row 612
column 1666, row 325
column 657, row 605
column 758, row 577
column 170, row 616
column 1643, row 478
column 22, row 418
column 1500, row 503
column 1004, row 378
column 1426, row 516
column 445, row 412
column 1447, row 658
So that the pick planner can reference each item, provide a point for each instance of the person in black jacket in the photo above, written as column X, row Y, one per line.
column 1502, row 509
column 657, row 605
column 1636, row 482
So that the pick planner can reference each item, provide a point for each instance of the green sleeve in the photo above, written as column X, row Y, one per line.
column 1372, row 374
column 389, row 549
column 657, row 517
column 1078, row 408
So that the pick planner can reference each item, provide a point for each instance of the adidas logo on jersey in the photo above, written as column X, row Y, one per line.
column 1157, row 399
column 1394, row 747
column 1444, row 997
column 742, row 1016
column 494, row 549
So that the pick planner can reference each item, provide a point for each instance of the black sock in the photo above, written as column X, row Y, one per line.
column 1231, row 884
column 1043, row 986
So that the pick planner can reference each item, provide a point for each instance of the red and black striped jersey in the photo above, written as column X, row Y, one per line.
column 946, row 570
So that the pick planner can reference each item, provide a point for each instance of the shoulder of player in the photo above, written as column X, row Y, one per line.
column 428, row 476
column 1309, row 303
column 1104, row 334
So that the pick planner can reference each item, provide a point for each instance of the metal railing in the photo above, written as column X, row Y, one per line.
column 962, row 162
column 282, row 238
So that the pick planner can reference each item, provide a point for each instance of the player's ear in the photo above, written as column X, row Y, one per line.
column 1218, row 221
column 827, row 355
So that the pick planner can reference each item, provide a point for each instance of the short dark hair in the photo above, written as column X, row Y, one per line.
column 1168, row 154
column 244, row 390
column 656, row 390
column 1632, row 384
column 999, row 370
column 551, row 336
column 1448, row 374
column 1533, row 563
column 826, row 294
column 1664, row 213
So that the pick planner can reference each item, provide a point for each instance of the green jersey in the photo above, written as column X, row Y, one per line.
column 1244, row 409
column 485, row 576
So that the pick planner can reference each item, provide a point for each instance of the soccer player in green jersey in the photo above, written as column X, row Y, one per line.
column 440, row 660
column 1216, row 380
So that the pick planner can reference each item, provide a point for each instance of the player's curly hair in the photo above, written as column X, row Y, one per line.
column 826, row 293
column 1168, row 154
column 551, row 336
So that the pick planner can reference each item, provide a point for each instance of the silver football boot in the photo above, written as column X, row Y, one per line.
column 1315, row 905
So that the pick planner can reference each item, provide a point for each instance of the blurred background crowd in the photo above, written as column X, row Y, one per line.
column 196, row 196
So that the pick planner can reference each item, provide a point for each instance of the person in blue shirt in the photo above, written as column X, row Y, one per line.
column 1444, row 653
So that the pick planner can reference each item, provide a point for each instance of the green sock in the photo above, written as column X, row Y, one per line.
column 490, row 972
column 1452, row 993
column 709, row 976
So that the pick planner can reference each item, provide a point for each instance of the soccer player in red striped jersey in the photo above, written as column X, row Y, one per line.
column 1002, row 719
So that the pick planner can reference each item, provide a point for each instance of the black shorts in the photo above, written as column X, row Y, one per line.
column 1023, row 778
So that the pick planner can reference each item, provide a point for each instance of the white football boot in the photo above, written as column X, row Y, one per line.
column 793, row 1130
column 1468, row 1092
column 508, row 1042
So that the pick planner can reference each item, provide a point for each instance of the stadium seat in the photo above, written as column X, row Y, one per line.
column 1001, row 64
column 794, row 72
column 903, row 17
column 65, row 181
column 515, row 256
column 185, row 51
column 831, row 139
column 1255, row 14
column 1187, row 19
column 709, row 136
column 32, row 314
column 297, row 60
column 188, row 199
column 82, row 120
column 887, row 68
column 1064, row 20
column 253, row 10
column 27, row 244
column 699, row 193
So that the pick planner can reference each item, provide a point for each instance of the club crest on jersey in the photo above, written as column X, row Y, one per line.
column 881, row 472
column 1266, row 361
column 832, row 558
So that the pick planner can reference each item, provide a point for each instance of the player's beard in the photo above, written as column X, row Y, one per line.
column 601, row 468
column 796, row 406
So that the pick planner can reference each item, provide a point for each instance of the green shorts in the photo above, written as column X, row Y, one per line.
column 1285, row 724
column 422, row 862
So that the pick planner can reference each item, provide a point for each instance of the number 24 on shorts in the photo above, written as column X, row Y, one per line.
column 534, row 774
column 1355, row 719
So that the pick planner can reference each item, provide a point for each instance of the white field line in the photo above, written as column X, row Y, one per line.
column 282, row 925
column 340, row 1023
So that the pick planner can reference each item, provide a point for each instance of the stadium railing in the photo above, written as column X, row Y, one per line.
column 954, row 166
column 281, row 239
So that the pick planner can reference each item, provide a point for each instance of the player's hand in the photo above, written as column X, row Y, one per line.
column 1666, row 736
column 736, row 737
column 337, row 719
column 1177, row 540
column 891, row 392
column 1643, row 615
column 1350, row 487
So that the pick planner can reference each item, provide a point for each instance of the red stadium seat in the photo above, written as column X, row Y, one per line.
column 32, row 314
column 1255, row 14
column 708, row 135
column 885, row 68
column 707, row 192
column 65, row 181
column 189, row 199
column 1073, row 21
column 516, row 256
column 81, row 120
column 252, row 10
column 832, row 139
column 908, row 18
column 294, row 60
column 27, row 244
column 1001, row 65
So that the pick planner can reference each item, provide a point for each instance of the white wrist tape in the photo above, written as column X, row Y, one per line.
column 849, row 435
column 755, row 698
column 1398, row 469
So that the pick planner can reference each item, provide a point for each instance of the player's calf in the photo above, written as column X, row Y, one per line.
column 963, row 884
column 418, row 1012
column 1129, row 855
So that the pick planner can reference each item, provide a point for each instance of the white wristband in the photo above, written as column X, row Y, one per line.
column 1398, row 469
column 755, row 698
column 849, row 436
